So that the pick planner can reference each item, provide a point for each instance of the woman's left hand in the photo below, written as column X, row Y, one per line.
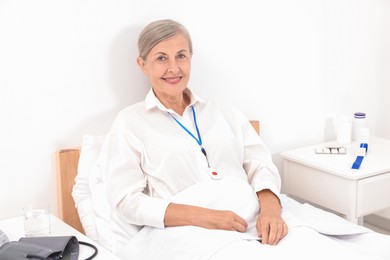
column 270, row 225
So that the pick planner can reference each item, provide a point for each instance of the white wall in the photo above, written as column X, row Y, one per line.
column 67, row 68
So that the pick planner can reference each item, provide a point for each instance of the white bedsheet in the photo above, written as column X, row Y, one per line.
column 308, row 238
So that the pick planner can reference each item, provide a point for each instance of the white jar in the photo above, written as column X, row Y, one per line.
column 344, row 129
column 359, row 121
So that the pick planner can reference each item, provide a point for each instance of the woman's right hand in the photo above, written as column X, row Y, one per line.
column 184, row 215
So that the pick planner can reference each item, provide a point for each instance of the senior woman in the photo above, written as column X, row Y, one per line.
column 173, row 140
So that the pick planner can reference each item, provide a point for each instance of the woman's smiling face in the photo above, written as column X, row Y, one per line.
column 168, row 67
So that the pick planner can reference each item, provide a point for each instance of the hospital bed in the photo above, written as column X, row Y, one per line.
column 313, row 232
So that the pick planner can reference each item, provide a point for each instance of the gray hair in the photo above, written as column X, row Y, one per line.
column 159, row 31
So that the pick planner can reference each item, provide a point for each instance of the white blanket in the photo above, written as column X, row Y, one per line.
column 188, row 242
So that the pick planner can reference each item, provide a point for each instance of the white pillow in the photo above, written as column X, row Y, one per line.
column 81, row 191
column 99, row 221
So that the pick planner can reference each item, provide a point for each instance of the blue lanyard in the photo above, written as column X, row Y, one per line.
column 199, row 139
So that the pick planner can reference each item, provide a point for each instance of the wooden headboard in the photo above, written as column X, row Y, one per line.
column 67, row 163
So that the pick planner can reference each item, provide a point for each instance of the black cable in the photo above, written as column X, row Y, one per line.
column 91, row 246
column 35, row 256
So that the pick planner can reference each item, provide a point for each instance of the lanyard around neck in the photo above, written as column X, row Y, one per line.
column 212, row 172
column 199, row 139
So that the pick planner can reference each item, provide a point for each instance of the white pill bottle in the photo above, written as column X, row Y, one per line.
column 358, row 122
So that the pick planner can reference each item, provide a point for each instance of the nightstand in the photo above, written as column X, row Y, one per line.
column 14, row 229
column 328, row 180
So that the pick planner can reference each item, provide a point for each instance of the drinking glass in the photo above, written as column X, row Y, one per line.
column 36, row 219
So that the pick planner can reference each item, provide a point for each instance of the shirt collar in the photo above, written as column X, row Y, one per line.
column 152, row 101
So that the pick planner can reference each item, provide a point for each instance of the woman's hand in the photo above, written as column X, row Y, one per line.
column 222, row 219
column 183, row 215
column 270, row 225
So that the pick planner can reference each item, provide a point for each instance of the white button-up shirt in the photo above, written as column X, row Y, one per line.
column 147, row 157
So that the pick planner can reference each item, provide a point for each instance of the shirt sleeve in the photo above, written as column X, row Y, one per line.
column 262, row 172
column 257, row 162
column 126, row 184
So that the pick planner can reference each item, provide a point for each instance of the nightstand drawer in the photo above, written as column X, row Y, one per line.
column 319, row 187
column 373, row 194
